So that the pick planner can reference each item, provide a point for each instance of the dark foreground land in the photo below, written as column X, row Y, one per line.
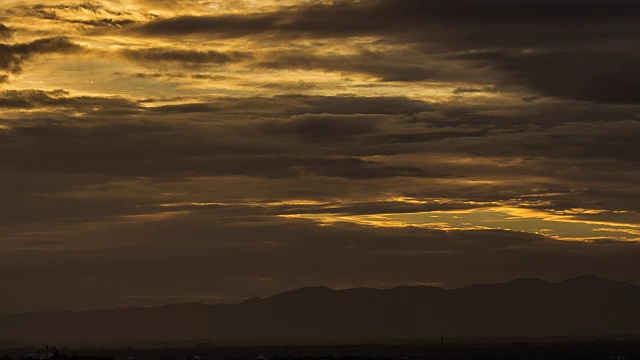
column 598, row 349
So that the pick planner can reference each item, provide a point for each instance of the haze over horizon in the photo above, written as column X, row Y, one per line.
column 587, row 278
column 584, row 306
column 158, row 152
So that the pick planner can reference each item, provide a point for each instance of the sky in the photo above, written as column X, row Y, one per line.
column 156, row 152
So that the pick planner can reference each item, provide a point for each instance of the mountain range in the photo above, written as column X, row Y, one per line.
column 582, row 306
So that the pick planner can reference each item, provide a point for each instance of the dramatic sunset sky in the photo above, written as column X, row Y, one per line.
column 156, row 151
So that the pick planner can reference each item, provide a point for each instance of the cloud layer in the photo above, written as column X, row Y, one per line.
column 153, row 151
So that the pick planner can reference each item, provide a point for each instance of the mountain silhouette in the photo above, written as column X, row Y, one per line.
column 582, row 306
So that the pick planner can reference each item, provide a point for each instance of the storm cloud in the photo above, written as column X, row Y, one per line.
column 12, row 56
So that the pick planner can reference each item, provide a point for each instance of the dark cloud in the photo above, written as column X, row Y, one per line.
column 183, row 56
column 387, row 67
column 277, row 106
column 325, row 127
column 427, row 136
column 12, row 56
column 346, row 18
column 152, row 149
column 5, row 32
column 487, row 89
column 37, row 200
column 156, row 146
column 106, row 22
column 63, row 102
column 287, row 105
column 171, row 75
column 591, row 75
column 373, row 208
column 185, row 108
column 75, row 14
column 585, row 51
column 599, row 76
column 298, row 86
column 350, row 104
column 225, row 26
column 613, row 140
column 29, row 99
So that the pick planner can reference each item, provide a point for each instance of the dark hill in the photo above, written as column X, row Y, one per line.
column 582, row 306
